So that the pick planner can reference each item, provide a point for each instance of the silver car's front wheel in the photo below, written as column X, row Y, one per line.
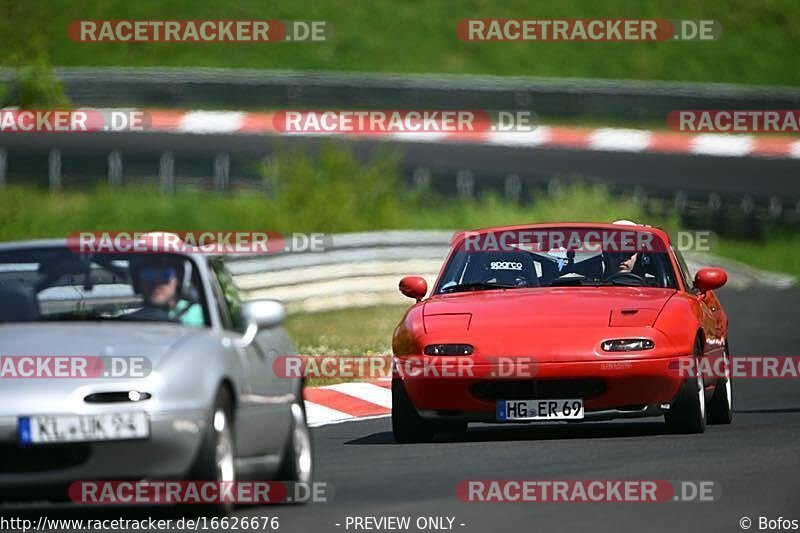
column 223, row 436
column 216, row 458
column 298, row 461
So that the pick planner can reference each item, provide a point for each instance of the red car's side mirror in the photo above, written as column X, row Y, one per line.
column 708, row 279
column 414, row 287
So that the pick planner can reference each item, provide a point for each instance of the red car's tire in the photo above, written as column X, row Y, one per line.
column 407, row 425
column 720, row 406
column 687, row 413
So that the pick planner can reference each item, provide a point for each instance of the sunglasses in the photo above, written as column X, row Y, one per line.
column 157, row 275
column 621, row 256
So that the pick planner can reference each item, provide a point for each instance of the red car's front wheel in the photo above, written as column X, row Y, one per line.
column 687, row 414
column 408, row 426
column 720, row 406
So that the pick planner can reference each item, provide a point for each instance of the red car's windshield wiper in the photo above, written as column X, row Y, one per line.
column 478, row 286
column 572, row 280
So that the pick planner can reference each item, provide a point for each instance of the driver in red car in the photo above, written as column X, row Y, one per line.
column 623, row 261
column 617, row 262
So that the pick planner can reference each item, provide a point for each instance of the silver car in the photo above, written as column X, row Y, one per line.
column 183, row 390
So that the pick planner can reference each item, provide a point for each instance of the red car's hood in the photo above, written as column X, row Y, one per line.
column 557, row 307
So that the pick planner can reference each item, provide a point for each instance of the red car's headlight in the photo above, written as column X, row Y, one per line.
column 627, row 345
column 448, row 349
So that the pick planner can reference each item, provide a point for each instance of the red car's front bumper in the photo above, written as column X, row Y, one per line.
column 603, row 385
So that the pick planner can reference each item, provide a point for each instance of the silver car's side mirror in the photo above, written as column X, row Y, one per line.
column 260, row 314
column 263, row 313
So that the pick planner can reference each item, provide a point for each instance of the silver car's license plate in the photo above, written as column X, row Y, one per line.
column 540, row 409
column 41, row 429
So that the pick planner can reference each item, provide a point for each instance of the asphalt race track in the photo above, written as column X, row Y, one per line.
column 755, row 460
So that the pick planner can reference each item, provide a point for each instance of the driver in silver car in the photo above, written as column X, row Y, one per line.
column 158, row 281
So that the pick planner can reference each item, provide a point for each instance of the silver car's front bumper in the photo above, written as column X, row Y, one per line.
column 168, row 453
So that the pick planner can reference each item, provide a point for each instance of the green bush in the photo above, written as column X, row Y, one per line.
column 36, row 84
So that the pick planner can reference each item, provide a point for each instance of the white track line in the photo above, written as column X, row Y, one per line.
column 537, row 137
column 620, row 140
column 212, row 122
column 365, row 391
column 721, row 145
column 319, row 415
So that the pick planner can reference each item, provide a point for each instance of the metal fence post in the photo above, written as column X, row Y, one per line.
column 3, row 166
column 54, row 169
column 465, row 184
column 222, row 171
column 115, row 169
column 513, row 187
column 554, row 187
column 421, row 178
column 166, row 172
column 775, row 207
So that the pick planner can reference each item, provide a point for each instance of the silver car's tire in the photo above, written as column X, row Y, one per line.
column 297, row 464
column 216, row 458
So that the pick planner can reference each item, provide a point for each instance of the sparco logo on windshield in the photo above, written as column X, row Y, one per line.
column 505, row 265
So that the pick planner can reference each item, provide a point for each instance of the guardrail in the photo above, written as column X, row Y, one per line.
column 363, row 269
column 548, row 97
column 739, row 196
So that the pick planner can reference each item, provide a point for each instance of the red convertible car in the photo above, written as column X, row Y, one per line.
column 560, row 322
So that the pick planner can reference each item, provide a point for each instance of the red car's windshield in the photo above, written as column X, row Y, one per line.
column 590, row 258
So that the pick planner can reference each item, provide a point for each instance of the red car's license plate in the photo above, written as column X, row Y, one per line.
column 571, row 409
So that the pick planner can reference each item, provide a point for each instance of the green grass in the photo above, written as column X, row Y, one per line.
column 346, row 331
column 359, row 332
column 758, row 43
column 778, row 253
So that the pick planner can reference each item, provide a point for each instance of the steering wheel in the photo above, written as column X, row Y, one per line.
column 625, row 274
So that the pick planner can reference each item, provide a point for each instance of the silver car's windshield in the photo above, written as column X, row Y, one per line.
column 57, row 284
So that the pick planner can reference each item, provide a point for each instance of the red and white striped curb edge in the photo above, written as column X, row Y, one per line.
column 582, row 138
column 342, row 402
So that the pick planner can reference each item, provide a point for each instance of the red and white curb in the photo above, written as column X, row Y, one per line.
column 581, row 138
column 343, row 402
